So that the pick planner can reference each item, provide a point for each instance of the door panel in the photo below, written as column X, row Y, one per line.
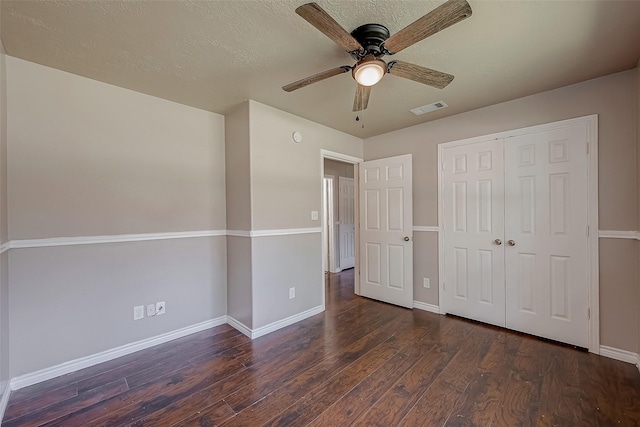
column 386, row 220
column 546, row 211
column 347, row 234
column 473, row 220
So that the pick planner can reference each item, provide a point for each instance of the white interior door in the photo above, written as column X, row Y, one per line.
column 547, row 280
column 347, row 230
column 473, row 231
column 386, row 230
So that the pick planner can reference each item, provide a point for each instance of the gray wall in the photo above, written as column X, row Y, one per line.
column 4, row 229
column 282, row 262
column 90, row 159
column 637, row 308
column 238, row 182
column 274, row 184
column 613, row 98
column 285, row 177
column 77, row 300
column 286, row 185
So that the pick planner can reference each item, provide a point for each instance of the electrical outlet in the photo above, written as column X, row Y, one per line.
column 314, row 215
column 292, row 293
column 151, row 310
column 426, row 283
column 138, row 312
column 160, row 308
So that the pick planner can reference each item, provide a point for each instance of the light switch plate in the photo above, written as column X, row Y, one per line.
column 314, row 215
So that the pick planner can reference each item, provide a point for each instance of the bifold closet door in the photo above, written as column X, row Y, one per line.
column 473, row 231
column 546, row 234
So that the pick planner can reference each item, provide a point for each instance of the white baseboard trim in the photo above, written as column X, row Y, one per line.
column 85, row 362
column 622, row 355
column 271, row 327
column 236, row 324
column 426, row 307
column 4, row 402
column 5, row 247
column 264, row 330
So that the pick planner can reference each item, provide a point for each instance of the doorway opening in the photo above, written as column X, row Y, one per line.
column 339, row 174
column 339, row 214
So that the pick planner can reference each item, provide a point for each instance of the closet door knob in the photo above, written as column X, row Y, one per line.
column 406, row 238
column 498, row 242
column 511, row 242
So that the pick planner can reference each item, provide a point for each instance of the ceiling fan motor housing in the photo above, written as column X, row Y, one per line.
column 371, row 37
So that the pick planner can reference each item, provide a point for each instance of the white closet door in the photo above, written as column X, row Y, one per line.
column 473, row 185
column 547, row 283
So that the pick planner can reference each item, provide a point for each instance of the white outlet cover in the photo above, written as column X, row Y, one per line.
column 426, row 283
column 292, row 293
column 160, row 308
column 151, row 310
column 314, row 215
column 138, row 312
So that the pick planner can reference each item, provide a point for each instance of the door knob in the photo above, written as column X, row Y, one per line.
column 406, row 238
column 511, row 242
column 498, row 242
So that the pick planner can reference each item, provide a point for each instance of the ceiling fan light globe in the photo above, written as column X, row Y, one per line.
column 369, row 73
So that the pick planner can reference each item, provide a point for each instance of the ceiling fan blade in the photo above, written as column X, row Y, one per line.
column 438, row 19
column 316, row 16
column 419, row 74
column 361, row 99
column 316, row 78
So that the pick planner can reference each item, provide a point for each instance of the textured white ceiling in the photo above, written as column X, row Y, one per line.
column 216, row 54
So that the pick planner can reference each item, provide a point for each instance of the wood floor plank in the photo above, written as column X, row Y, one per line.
column 83, row 374
column 156, row 359
column 394, row 405
column 69, row 406
column 275, row 368
column 156, row 394
column 436, row 404
column 392, row 351
column 361, row 362
column 267, row 406
column 37, row 403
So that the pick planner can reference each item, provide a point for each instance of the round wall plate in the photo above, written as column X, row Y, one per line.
column 297, row 137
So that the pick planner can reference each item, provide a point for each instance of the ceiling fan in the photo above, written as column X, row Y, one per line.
column 368, row 43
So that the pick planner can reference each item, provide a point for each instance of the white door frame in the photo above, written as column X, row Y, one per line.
column 591, row 123
column 344, row 158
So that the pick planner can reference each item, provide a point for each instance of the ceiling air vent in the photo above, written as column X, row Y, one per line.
column 429, row 108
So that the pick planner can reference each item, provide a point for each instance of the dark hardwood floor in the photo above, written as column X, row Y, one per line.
column 361, row 362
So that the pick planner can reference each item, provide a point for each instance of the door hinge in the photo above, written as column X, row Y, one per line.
column 587, row 148
column 587, row 231
column 589, row 313
column 442, row 166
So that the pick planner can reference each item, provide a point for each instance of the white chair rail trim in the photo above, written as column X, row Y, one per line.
column 121, row 238
column 617, row 234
